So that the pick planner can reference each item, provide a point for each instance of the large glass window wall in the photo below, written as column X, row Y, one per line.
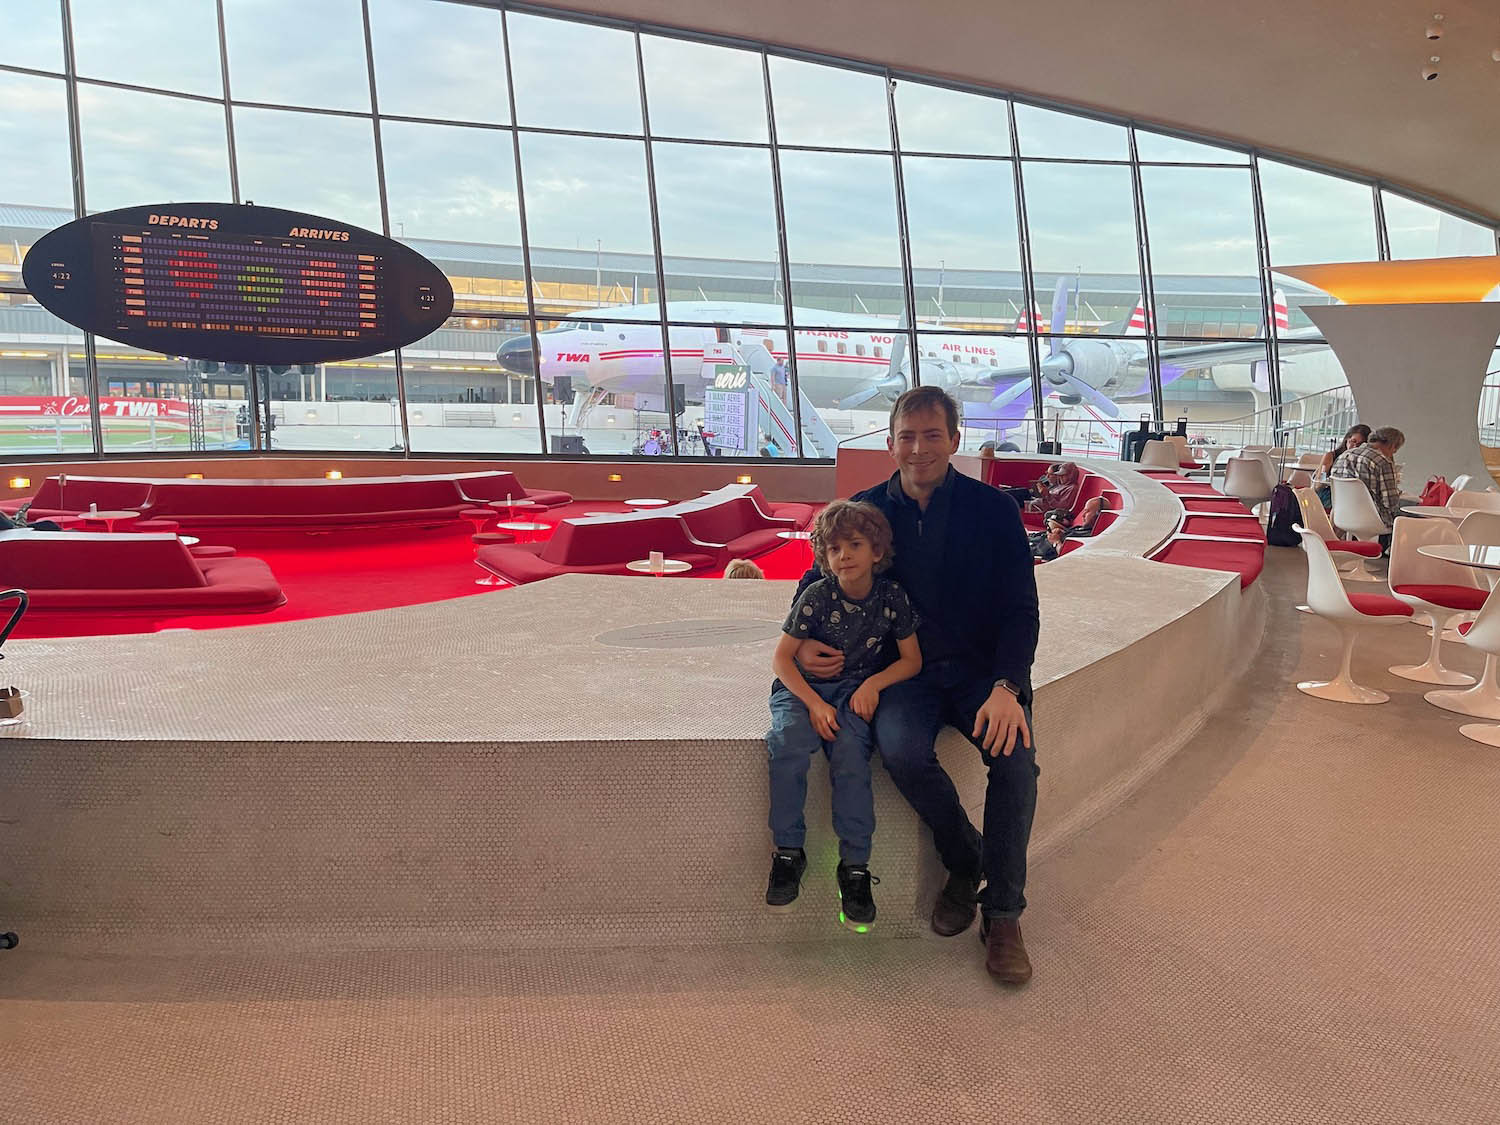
column 665, row 245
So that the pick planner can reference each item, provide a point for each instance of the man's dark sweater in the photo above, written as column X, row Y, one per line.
column 965, row 563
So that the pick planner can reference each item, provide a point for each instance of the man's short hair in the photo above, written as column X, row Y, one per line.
column 919, row 400
column 1387, row 435
column 845, row 518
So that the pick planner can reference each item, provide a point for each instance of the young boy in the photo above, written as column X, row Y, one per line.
column 857, row 611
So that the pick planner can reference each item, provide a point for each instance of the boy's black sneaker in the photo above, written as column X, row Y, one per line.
column 856, row 906
column 787, row 865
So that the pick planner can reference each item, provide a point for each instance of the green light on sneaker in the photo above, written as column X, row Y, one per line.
column 858, row 928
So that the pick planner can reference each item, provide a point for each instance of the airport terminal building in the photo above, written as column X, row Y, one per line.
column 441, row 680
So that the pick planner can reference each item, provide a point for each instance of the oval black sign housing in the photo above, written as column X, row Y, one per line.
column 238, row 284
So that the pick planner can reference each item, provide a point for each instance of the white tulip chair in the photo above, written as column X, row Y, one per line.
column 1433, row 588
column 1327, row 598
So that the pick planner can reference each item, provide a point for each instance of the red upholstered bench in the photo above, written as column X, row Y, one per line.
column 1247, row 557
column 1222, row 504
column 1229, row 527
column 147, row 574
column 599, row 545
column 500, row 485
column 738, row 524
column 1182, row 487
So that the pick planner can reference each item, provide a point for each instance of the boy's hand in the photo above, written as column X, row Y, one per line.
column 825, row 720
column 864, row 701
column 820, row 660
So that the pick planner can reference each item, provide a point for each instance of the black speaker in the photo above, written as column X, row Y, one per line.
column 568, row 443
column 562, row 390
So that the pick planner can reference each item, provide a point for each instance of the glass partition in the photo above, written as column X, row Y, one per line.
column 151, row 148
column 167, row 44
column 623, row 280
column 31, row 34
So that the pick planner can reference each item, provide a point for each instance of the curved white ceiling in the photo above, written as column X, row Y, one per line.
column 1335, row 81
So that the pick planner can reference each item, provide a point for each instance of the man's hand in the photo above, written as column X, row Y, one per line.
column 820, row 660
column 825, row 719
column 864, row 701
column 999, row 720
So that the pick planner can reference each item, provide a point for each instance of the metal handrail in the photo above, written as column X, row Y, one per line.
column 23, row 599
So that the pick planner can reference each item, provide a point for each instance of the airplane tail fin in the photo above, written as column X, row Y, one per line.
column 1025, row 322
column 1140, row 320
column 1283, row 314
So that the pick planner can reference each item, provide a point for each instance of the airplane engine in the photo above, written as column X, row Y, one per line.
column 1099, row 364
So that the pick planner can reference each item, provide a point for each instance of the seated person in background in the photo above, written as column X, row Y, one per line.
column 18, row 522
column 743, row 568
column 857, row 611
column 1046, row 544
column 1088, row 515
column 1374, row 463
column 1356, row 436
column 1058, row 488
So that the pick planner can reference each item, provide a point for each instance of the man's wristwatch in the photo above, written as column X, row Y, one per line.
column 1010, row 687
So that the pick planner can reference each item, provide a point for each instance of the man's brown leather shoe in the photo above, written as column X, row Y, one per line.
column 953, row 912
column 1004, row 951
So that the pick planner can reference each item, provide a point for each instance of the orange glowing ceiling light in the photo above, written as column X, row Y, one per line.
column 1419, row 281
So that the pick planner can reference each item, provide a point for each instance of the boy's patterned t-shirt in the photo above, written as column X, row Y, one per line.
column 859, row 629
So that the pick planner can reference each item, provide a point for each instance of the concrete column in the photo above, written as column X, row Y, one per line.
column 1418, row 368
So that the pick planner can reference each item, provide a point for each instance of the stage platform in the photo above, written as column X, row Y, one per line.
column 576, row 762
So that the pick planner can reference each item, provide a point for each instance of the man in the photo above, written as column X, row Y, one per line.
column 961, row 554
column 779, row 381
column 1374, row 463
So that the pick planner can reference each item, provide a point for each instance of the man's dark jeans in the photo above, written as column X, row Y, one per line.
column 906, row 725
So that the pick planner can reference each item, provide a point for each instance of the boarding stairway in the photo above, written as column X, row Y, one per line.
column 818, row 439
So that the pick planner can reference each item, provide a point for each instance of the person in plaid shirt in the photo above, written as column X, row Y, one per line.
column 1374, row 463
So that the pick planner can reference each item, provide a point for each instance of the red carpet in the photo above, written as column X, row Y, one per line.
column 354, row 571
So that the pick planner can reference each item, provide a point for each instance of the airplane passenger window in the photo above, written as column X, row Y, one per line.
column 843, row 348
column 879, row 352
column 859, row 349
column 822, row 345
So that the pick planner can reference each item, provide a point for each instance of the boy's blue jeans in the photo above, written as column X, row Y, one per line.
column 791, row 744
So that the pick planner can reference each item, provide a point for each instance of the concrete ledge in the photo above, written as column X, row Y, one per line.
column 489, row 772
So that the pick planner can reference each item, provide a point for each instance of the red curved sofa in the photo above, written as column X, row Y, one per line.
column 706, row 531
column 96, row 572
column 280, row 504
column 598, row 545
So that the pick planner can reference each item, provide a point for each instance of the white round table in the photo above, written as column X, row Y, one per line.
column 522, row 527
column 665, row 567
column 109, row 519
column 188, row 540
column 1209, row 454
column 1432, row 512
column 1483, row 699
column 804, row 536
column 648, row 502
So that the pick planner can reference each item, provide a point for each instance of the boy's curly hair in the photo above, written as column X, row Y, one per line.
column 844, row 518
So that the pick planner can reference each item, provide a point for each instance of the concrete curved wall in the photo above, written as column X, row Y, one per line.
column 489, row 771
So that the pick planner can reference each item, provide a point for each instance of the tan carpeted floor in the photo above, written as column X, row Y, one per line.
column 1298, row 920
